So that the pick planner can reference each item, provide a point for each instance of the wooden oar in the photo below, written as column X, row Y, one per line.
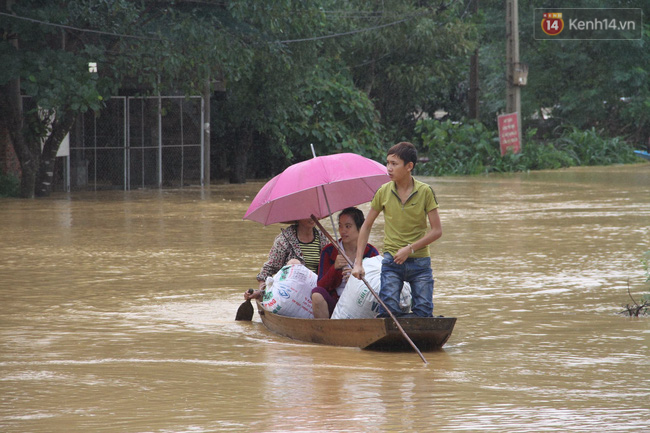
column 245, row 311
column 392, row 316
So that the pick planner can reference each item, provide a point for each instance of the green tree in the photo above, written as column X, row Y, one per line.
column 146, row 46
column 335, row 74
column 414, row 59
column 42, row 63
column 290, row 92
column 601, row 84
column 334, row 116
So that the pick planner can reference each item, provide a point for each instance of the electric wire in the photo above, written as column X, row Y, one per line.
column 352, row 32
column 78, row 28
column 286, row 41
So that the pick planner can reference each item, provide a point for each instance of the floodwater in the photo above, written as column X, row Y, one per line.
column 117, row 308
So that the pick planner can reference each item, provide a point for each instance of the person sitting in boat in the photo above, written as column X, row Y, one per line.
column 334, row 270
column 299, row 243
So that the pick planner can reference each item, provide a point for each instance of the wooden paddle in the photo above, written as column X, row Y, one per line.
column 245, row 311
column 392, row 316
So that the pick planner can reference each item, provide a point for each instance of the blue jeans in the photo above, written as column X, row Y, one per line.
column 415, row 271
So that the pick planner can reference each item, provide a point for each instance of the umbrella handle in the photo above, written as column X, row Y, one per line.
column 392, row 316
column 336, row 235
column 289, row 243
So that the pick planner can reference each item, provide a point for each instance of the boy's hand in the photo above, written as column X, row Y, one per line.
column 402, row 255
column 358, row 272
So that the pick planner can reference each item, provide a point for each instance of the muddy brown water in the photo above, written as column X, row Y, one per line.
column 116, row 314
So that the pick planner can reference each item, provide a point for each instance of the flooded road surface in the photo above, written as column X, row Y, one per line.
column 117, row 308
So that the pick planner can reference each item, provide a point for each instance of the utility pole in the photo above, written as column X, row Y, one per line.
column 513, row 91
column 207, row 93
column 473, row 97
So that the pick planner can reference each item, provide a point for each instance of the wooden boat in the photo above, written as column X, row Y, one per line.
column 642, row 154
column 373, row 334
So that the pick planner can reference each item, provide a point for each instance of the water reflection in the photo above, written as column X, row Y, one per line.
column 117, row 315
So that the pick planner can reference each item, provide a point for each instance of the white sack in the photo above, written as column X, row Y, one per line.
column 357, row 302
column 288, row 293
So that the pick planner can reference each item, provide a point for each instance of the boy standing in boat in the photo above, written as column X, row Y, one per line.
column 407, row 205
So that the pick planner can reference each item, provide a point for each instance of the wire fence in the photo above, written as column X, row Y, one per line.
column 138, row 142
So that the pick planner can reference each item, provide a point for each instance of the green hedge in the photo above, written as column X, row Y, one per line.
column 468, row 147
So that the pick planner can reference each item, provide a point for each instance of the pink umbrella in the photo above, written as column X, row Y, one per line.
column 318, row 186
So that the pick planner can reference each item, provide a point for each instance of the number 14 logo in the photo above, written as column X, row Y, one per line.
column 552, row 24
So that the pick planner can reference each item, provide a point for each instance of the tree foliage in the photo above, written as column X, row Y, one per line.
column 469, row 147
column 414, row 65
column 145, row 47
column 345, row 76
column 334, row 116
column 585, row 83
column 260, row 95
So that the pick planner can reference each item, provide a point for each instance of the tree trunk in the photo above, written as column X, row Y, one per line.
column 473, row 98
column 371, row 81
column 45, row 176
column 28, row 150
column 238, row 170
column 11, row 110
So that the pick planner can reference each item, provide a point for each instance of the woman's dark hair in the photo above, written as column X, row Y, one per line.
column 405, row 151
column 355, row 214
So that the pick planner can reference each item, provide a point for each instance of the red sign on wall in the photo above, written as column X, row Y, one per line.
column 509, row 133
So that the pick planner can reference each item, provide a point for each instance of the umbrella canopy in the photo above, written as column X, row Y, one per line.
column 318, row 186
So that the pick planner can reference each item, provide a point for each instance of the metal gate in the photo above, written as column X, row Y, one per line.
column 138, row 142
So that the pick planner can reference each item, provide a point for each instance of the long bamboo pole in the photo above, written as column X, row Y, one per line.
column 392, row 316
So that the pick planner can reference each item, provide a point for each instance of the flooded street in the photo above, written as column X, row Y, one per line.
column 117, row 308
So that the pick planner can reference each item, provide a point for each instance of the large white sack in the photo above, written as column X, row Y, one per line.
column 288, row 292
column 357, row 302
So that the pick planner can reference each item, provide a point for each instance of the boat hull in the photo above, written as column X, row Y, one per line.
column 372, row 334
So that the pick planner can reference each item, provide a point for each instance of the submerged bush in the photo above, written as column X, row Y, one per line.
column 590, row 148
column 9, row 185
column 465, row 148
column 641, row 308
column 456, row 148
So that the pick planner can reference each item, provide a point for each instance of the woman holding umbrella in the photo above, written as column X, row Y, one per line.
column 318, row 187
column 301, row 242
